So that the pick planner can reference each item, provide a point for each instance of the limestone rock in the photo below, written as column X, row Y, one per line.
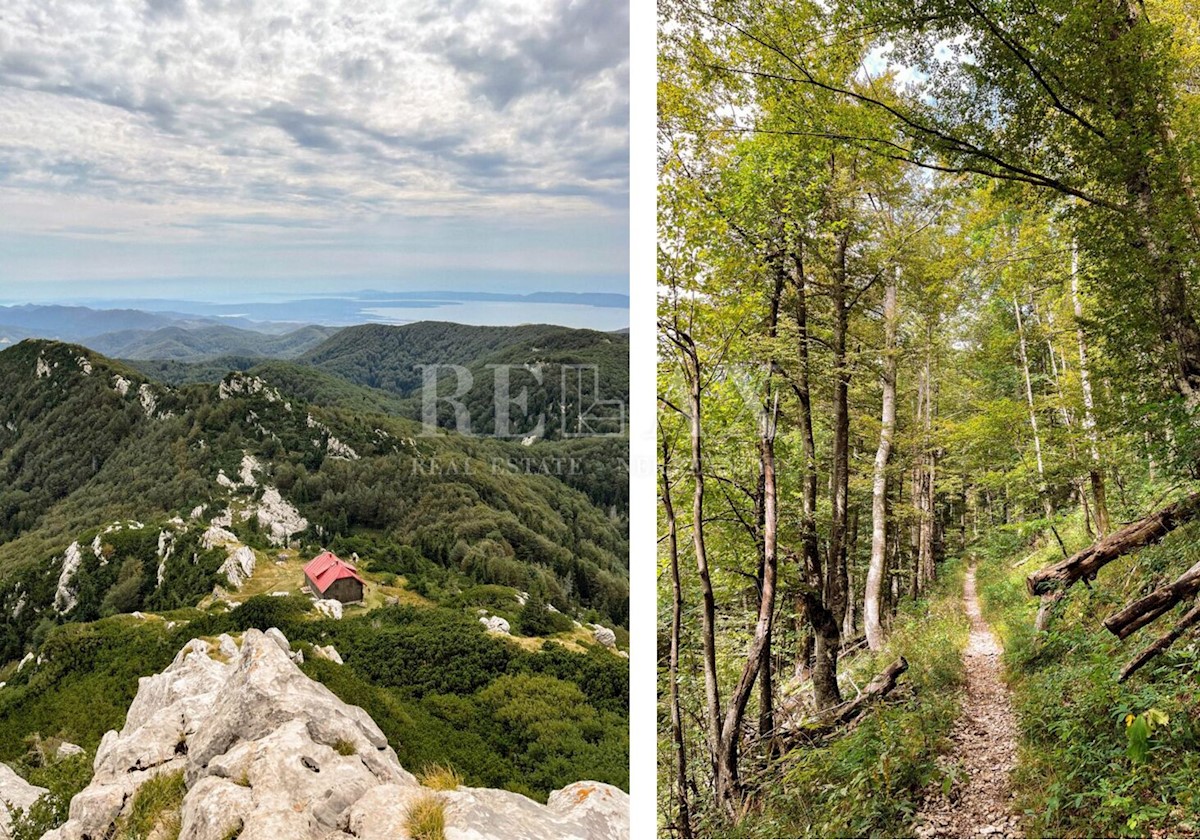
column 226, row 646
column 270, row 753
column 605, row 636
column 330, row 608
column 239, row 566
column 279, row 518
column 65, row 598
column 217, row 535
column 16, row 792
column 327, row 652
column 583, row 811
column 276, row 636
column 495, row 624
column 249, row 466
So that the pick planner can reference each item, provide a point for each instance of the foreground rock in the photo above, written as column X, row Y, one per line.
column 15, row 793
column 268, row 752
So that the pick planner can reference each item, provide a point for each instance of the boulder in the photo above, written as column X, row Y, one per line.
column 66, row 750
column 330, row 608
column 327, row 652
column 217, row 535
column 239, row 566
column 605, row 636
column 582, row 811
column 495, row 624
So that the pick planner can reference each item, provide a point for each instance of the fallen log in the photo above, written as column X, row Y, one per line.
column 844, row 713
column 1139, row 613
column 1190, row 618
column 1083, row 565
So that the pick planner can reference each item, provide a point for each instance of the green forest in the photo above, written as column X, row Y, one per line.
column 929, row 368
column 131, row 476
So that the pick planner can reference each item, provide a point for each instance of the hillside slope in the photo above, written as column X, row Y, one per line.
column 206, row 342
column 576, row 380
column 85, row 442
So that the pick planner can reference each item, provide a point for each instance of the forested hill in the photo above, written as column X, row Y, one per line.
column 85, row 442
column 577, row 379
column 929, row 447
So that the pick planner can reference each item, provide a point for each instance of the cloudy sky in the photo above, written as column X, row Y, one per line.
column 211, row 147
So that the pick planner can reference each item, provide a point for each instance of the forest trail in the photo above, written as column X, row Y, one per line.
column 984, row 746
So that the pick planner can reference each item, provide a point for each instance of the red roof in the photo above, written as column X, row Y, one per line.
column 327, row 567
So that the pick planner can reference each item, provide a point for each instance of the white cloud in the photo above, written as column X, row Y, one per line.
column 186, row 119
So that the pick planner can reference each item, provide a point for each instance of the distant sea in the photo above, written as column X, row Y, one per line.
column 504, row 314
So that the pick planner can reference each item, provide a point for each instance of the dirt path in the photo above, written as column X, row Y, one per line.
column 985, row 746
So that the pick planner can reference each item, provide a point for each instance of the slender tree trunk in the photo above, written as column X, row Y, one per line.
column 728, row 781
column 692, row 371
column 825, row 638
column 1096, row 473
column 849, row 622
column 878, row 565
column 1043, row 492
column 684, row 819
column 835, row 583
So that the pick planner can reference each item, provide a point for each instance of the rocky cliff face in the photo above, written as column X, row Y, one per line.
column 267, row 753
column 15, row 792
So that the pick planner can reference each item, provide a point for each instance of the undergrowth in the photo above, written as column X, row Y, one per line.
column 1077, row 774
column 869, row 782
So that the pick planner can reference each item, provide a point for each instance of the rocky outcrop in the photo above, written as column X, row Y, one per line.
column 279, row 518
column 66, row 750
column 495, row 624
column 65, row 597
column 329, row 608
column 15, row 793
column 239, row 566
column 604, row 636
column 267, row 753
column 327, row 652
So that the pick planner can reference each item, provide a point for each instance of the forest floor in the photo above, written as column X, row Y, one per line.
column 978, row 802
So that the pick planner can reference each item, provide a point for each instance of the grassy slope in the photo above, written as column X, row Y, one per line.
column 1075, row 778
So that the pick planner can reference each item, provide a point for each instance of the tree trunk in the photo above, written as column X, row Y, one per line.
column 1190, row 619
column 728, row 782
column 708, row 610
column 1060, row 576
column 1096, row 473
column 1043, row 493
column 1141, row 612
column 834, row 592
column 684, row 820
column 877, row 569
column 823, row 723
column 826, row 639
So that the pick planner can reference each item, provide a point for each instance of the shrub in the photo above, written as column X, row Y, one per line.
column 426, row 819
column 440, row 777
